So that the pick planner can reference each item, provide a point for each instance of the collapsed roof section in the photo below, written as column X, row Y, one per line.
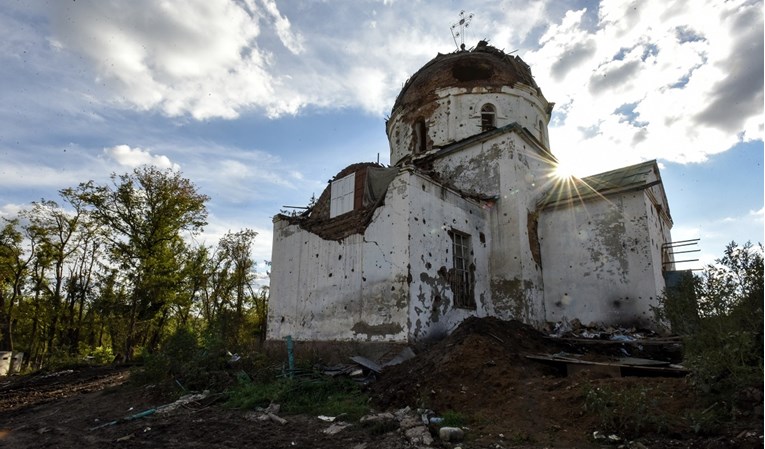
column 370, row 183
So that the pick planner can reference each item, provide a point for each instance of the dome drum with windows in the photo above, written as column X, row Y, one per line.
column 461, row 94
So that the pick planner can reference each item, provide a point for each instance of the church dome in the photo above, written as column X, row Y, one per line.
column 459, row 95
column 483, row 66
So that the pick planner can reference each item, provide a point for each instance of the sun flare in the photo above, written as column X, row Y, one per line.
column 563, row 171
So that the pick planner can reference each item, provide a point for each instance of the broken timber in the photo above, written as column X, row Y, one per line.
column 626, row 366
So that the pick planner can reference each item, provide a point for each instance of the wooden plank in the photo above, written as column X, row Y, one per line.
column 625, row 369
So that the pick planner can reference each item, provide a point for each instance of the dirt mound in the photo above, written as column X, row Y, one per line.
column 481, row 357
column 481, row 372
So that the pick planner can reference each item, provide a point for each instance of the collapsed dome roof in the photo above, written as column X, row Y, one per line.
column 483, row 66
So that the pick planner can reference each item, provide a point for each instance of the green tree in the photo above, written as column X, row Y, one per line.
column 146, row 212
column 59, row 234
column 13, row 269
column 231, row 287
column 725, row 348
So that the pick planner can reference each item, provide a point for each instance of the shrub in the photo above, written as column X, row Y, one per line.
column 724, row 346
column 183, row 362
column 631, row 411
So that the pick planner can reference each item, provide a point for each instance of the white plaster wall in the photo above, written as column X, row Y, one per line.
column 456, row 115
column 598, row 261
column 354, row 289
column 434, row 211
column 659, row 232
column 513, row 171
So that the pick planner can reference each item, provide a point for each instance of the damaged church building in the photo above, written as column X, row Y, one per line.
column 469, row 219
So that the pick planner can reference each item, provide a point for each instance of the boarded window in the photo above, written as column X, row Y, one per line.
column 342, row 195
column 462, row 271
column 488, row 117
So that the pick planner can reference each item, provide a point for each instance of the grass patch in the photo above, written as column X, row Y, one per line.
column 453, row 419
column 322, row 396
column 630, row 411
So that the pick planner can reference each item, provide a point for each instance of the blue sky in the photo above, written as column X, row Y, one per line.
column 261, row 102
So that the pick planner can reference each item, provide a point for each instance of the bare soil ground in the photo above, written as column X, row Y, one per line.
column 479, row 373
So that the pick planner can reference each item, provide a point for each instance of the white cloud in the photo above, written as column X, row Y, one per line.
column 10, row 210
column 686, row 78
column 293, row 41
column 194, row 57
column 688, row 82
column 135, row 157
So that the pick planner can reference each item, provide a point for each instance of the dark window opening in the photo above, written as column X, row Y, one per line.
column 541, row 131
column 462, row 277
column 488, row 117
column 420, row 136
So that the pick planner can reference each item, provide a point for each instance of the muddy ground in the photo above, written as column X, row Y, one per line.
column 480, row 375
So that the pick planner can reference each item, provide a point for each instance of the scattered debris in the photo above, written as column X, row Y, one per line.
column 401, row 357
column 266, row 414
column 183, row 400
column 451, row 434
column 335, row 428
column 125, row 438
column 366, row 363
column 622, row 366
column 603, row 438
column 378, row 417
column 327, row 418
column 139, row 415
column 415, row 431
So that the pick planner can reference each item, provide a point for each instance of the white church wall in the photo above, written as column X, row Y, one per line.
column 352, row 289
column 435, row 211
column 597, row 261
column 659, row 233
column 510, row 169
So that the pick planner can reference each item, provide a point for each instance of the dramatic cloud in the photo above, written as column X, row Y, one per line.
column 690, row 77
column 196, row 57
column 135, row 157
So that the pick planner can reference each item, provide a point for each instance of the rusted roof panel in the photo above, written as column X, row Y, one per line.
column 634, row 177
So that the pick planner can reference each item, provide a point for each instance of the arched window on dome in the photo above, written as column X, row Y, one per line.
column 488, row 117
column 420, row 136
column 541, row 131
